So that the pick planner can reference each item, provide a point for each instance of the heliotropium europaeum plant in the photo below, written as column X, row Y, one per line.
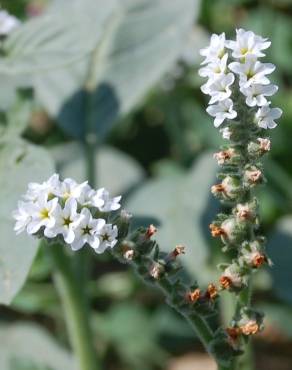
column 68, row 214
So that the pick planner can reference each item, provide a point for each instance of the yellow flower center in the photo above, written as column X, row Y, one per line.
column 244, row 51
column 44, row 213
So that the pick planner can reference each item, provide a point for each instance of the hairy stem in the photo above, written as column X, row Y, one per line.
column 75, row 309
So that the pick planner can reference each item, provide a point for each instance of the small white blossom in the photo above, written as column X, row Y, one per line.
column 42, row 215
column 247, row 43
column 7, row 22
column 90, row 197
column 215, row 50
column 48, row 188
column 22, row 216
column 252, row 72
column 109, row 204
column 108, row 237
column 87, row 231
column 221, row 111
column 265, row 116
column 219, row 89
column 71, row 189
column 214, row 69
column 66, row 221
column 256, row 94
column 226, row 133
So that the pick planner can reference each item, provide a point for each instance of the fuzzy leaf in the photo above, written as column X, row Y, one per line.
column 20, row 163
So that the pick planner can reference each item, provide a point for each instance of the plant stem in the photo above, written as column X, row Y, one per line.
column 75, row 309
column 200, row 326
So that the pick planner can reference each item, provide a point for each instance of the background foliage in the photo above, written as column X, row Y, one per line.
column 132, row 90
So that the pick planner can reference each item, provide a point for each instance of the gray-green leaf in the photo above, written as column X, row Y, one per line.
column 20, row 163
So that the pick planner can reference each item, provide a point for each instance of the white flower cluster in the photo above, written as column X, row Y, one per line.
column 75, row 212
column 228, row 61
column 7, row 23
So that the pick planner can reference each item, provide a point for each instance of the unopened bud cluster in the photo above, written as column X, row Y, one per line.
column 239, row 88
column 72, row 213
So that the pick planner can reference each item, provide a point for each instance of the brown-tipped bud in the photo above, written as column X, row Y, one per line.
column 151, row 230
column 224, row 156
column 231, row 278
column 233, row 333
column 156, row 270
column 225, row 282
column 217, row 189
column 258, row 260
column 253, row 176
column 228, row 189
column 265, row 144
column 192, row 297
column 129, row 254
column 212, row 292
column 244, row 212
column 216, row 231
column 259, row 147
column 178, row 250
column 250, row 328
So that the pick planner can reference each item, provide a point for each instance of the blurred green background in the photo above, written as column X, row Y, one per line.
column 157, row 152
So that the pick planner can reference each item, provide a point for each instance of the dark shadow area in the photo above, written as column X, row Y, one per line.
column 83, row 112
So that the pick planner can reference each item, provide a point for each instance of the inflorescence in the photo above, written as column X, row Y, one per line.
column 239, row 88
column 69, row 212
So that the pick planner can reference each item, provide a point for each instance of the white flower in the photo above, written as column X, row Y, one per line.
column 215, row 50
column 219, row 89
column 69, row 188
column 221, row 111
column 107, row 236
column 7, row 22
column 87, row 231
column 265, row 116
column 252, row 72
column 247, row 43
column 109, row 204
column 22, row 216
column 49, row 188
column 42, row 214
column 226, row 133
column 214, row 68
column 66, row 221
column 256, row 93
column 90, row 197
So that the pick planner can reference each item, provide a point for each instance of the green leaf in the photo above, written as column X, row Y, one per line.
column 54, row 40
column 115, row 170
column 181, row 204
column 280, row 251
column 20, row 163
column 106, row 47
column 121, row 326
column 23, row 344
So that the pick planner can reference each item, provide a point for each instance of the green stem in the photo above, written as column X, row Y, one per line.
column 200, row 326
column 75, row 309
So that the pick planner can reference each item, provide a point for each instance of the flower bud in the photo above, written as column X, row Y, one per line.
column 151, row 230
column 212, row 292
column 229, row 189
column 231, row 278
column 225, row 156
column 252, row 254
column 250, row 322
column 246, row 211
column 193, row 296
column 253, row 176
column 156, row 270
column 257, row 149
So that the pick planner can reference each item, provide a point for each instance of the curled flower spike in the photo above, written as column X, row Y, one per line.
column 65, row 210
